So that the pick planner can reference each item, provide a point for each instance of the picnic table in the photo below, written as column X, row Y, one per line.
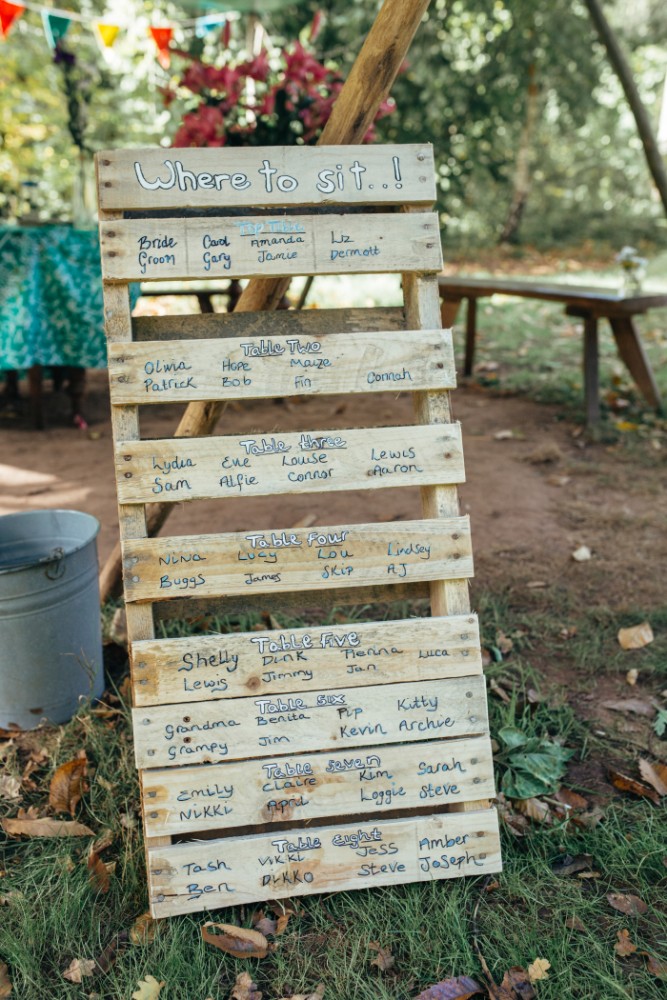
column 590, row 304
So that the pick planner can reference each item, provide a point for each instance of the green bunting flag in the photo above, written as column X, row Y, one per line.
column 55, row 27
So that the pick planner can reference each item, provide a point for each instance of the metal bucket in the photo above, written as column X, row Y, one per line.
column 50, row 628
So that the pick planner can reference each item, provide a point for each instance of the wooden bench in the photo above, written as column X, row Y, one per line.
column 591, row 304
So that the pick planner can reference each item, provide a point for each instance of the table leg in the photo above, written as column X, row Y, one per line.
column 471, row 336
column 448, row 311
column 205, row 304
column 35, row 390
column 591, row 370
column 631, row 351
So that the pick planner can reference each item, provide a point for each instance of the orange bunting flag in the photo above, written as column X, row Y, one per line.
column 9, row 12
column 162, row 36
column 107, row 33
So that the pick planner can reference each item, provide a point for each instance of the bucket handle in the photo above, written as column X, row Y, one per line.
column 56, row 564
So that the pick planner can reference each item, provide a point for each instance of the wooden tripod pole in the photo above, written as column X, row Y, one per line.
column 367, row 85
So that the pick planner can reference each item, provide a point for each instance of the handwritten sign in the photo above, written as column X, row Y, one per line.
column 230, row 178
column 314, row 558
column 203, row 668
column 189, row 877
column 169, row 249
column 264, row 367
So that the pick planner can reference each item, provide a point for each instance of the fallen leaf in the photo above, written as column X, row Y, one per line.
column 128, row 821
column 573, row 923
column 558, row 480
column 149, row 989
column 627, row 903
column 10, row 787
column 238, row 941
column 98, row 876
column 631, row 677
column 46, row 828
column 636, row 636
column 245, row 988
column 655, row 966
column 317, row 995
column 68, row 785
column 570, row 799
column 459, row 988
column 568, row 865
column 5, row 981
column 655, row 774
column 536, row 584
column 384, row 958
column 624, row 945
column 142, row 931
column 516, row 984
column 504, row 643
column 539, row 969
column 265, row 925
column 281, row 923
column 503, row 435
column 582, row 554
column 625, row 783
column 634, row 705
column 534, row 809
column 78, row 968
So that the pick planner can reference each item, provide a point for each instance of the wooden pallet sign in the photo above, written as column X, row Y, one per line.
column 289, row 761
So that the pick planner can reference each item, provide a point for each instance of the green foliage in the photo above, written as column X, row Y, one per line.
column 532, row 765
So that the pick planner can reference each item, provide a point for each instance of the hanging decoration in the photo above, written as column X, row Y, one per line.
column 107, row 33
column 9, row 12
column 162, row 36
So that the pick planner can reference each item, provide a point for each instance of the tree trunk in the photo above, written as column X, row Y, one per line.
column 622, row 69
column 367, row 85
column 523, row 174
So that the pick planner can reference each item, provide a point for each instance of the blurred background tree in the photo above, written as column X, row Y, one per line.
column 534, row 139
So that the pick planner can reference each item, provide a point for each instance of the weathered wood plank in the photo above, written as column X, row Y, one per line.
column 299, row 559
column 270, row 366
column 280, row 176
column 280, row 323
column 233, row 728
column 170, row 249
column 311, row 786
column 202, row 667
column 216, row 873
column 307, row 462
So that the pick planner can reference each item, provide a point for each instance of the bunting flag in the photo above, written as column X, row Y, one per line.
column 55, row 27
column 107, row 33
column 207, row 23
column 9, row 12
column 162, row 36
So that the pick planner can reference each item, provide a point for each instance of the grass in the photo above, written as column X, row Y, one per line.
column 52, row 914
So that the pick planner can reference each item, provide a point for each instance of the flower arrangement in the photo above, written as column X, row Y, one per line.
column 283, row 97
column 634, row 269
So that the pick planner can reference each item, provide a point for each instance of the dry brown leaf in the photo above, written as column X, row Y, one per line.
column 238, row 941
column 573, row 923
column 142, row 931
column 105, row 839
column 533, row 808
column 516, row 983
column 624, row 945
column 10, row 787
column 655, row 966
column 539, row 969
column 148, row 989
column 654, row 774
column 281, row 923
column 636, row 636
column 627, row 784
column 68, row 784
column 504, row 643
column 384, row 958
column 634, row 705
column 5, row 981
column 571, row 799
column 45, row 828
column 568, row 865
column 245, row 989
column 458, row 988
column 98, row 876
column 632, row 676
column 78, row 968
column 627, row 903
column 317, row 995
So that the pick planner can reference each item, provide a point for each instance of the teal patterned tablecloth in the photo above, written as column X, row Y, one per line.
column 51, row 309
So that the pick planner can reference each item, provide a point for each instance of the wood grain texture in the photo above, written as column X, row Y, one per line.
column 186, row 878
column 307, row 462
column 270, row 366
column 201, row 667
column 236, row 728
column 237, row 177
column 256, row 246
column 311, row 786
column 303, row 559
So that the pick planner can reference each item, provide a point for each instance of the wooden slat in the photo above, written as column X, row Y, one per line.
column 202, row 667
column 299, row 559
column 236, row 177
column 270, row 366
column 216, row 873
column 311, row 786
column 234, row 728
column 170, row 249
column 307, row 462
column 280, row 323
